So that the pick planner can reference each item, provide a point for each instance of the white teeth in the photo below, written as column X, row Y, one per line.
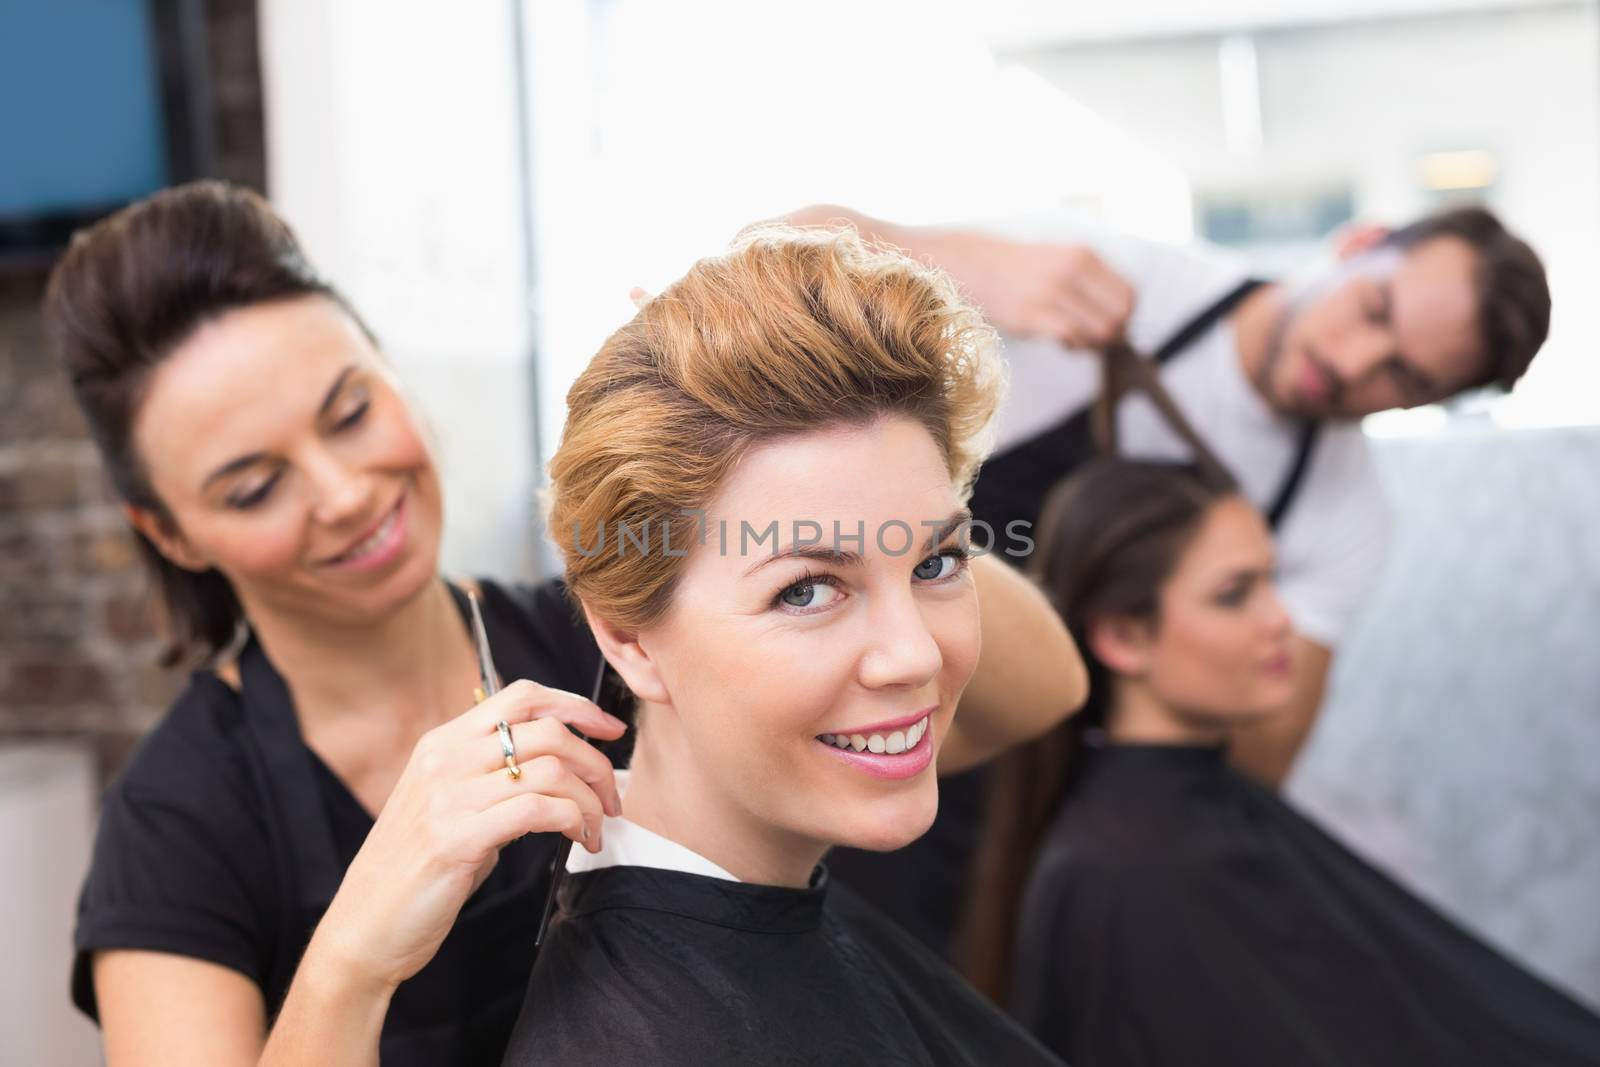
column 379, row 536
column 891, row 744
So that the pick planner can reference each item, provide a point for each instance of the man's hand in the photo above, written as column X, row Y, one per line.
column 1064, row 292
column 1267, row 750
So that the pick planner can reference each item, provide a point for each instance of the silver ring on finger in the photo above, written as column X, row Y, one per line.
column 508, row 749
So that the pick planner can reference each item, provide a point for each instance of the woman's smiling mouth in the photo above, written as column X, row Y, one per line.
column 896, row 749
column 379, row 546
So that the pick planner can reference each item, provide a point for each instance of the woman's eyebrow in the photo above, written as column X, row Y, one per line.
column 958, row 518
column 832, row 554
column 821, row 553
column 333, row 390
column 1245, row 574
column 232, row 466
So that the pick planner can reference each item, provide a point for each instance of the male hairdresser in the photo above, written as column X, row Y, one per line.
column 1275, row 376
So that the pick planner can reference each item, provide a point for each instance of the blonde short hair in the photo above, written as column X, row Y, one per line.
column 789, row 332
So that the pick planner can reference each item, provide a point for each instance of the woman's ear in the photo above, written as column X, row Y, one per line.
column 1122, row 643
column 167, row 538
column 629, row 659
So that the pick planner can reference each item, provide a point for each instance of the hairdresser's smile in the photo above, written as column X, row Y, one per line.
column 383, row 542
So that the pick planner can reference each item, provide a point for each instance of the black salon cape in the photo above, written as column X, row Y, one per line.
column 1181, row 914
column 647, row 966
column 225, row 838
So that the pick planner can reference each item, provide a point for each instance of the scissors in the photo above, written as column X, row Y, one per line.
column 489, row 685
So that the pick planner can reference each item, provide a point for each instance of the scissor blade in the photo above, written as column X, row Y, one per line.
column 480, row 636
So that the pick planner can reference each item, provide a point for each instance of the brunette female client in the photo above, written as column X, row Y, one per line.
column 793, row 694
column 318, row 856
column 1143, row 904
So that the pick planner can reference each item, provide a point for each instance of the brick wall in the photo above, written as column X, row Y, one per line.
column 78, row 640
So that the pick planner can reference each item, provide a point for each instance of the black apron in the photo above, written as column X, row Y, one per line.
column 460, row 1008
column 924, row 885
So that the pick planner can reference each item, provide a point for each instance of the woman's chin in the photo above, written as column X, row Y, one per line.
column 886, row 826
column 397, row 591
column 409, row 581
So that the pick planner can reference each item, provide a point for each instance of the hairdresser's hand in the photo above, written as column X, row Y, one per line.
column 443, row 825
column 1061, row 291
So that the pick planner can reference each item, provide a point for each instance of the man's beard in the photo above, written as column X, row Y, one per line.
column 1277, row 354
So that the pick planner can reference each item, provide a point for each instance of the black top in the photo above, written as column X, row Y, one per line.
column 225, row 838
column 661, row 967
column 1180, row 913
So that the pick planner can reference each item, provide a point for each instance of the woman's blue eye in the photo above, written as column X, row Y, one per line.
column 933, row 568
column 819, row 590
column 812, row 591
column 799, row 596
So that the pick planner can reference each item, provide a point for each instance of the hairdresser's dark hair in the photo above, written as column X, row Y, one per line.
column 130, row 290
column 1513, row 295
column 1109, row 538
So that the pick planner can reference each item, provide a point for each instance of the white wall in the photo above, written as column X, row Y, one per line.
column 661, row 129
column 392, row 144
column 1459, row 738
column 1031, row 23
column 47, row 815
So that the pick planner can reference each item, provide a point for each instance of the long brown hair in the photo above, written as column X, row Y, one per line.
column 126, row 294
column 1109, row 537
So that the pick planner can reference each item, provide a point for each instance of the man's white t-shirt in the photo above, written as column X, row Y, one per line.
column 1332, row 543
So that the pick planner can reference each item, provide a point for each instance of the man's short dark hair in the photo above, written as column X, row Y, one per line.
column 1513, row 295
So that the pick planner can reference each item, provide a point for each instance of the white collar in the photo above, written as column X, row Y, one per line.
column 627, row 844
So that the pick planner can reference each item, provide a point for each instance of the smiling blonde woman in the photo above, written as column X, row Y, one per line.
column 794, row 692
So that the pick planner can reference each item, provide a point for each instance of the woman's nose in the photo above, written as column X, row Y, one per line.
column 903, row 651
column 1276, row 619
column 342, row 493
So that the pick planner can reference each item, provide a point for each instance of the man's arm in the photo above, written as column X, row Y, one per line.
column 1333, row 548
column 1028, row 289
column 1266, row 750
column 1029, row 676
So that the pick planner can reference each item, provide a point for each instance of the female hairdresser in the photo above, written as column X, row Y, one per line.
column 319, row 856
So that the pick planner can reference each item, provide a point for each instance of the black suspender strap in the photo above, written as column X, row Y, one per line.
column 1297, row 473
column 1205, row 320
column 1125, row 370
column 1013, row 483
column 1308, row 432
